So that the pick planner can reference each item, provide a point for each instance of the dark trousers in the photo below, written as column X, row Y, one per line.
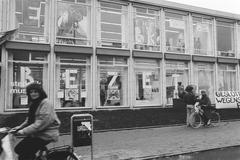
column 205, row 115
column 28, row 147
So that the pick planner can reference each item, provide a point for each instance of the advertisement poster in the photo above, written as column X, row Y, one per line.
column 227, row 99
column 145, row 31
column 72, row 21
column 33, row 13
column 71, row 94
column 113, row 94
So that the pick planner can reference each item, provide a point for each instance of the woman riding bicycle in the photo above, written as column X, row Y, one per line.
column 41, row 125
column 205, row 104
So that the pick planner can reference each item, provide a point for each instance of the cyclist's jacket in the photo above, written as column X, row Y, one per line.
column 205, row 100
column 46, row 124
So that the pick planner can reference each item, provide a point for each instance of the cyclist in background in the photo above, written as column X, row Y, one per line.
column 41, row 125
column 205, row 104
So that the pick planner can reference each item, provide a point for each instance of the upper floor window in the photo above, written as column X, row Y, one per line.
column 24, row 68
column 146, row 29
column 227, row 77
column 225, row 39
column 31, row 20
column 73, row 22
column 175, row 28
column 203, row 35
column 112, row 25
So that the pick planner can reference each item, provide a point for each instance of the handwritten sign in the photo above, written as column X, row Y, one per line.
column 227, row 99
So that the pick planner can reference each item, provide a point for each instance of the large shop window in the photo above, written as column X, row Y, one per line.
column 113, row 81
column 175, row 72
column 112, row 27
column 31, row 20
column 73, row 81
column 147, row 87
column 204, row 78
column 175, row 28
column 225, row 39
column 203, row 36
column 227, row 77
column 24, row 68
column 73, row 25
column 146, row 29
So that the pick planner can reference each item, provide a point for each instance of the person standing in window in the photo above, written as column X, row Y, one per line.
column 190, row 99
column 41, row 125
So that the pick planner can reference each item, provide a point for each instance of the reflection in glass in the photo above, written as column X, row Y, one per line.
column 73, row 24
column 175, row 72
column 202, row 33
column 147, row 74
column 225, row 39
column 227, row 75
column 112, row 31
column 112, row 83
column 146, row 30
column 204, row 78
column 24, row 69
column 73, row 75
column 175, row 25
column 31, row 21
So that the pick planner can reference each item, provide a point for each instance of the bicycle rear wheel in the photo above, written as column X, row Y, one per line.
column 215, row 118
column 195, row 120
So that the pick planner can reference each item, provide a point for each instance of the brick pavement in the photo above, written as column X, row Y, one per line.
column 152, row 142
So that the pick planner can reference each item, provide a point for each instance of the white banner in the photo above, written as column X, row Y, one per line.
column 227, row 99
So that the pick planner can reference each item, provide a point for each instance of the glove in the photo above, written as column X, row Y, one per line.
column 15, row 129
column 19, row 133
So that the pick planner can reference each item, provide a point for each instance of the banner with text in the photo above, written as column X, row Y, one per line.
column 227, row 99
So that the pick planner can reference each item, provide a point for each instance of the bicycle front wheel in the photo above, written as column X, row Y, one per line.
column 72, row 157
column 215, row 118
column 195, row 120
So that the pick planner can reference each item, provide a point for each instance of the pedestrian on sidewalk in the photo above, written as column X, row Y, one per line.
column 189, row 99
column 41, row 125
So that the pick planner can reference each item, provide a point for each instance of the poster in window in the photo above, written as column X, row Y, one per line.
column 72, row 21
column 145, row 31
column 33, row 16
column 113, row 94
column 71, row 94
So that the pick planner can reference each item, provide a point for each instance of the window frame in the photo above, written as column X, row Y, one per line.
column 210, row 24
column 186, row 67
column 184, row 46
column 148, row 67
column 71, row 40
column 227, row 69
column 124, row 88
column 231, row 26
column 10, row 65
column 154, row 17
column 35, row 37
column 58, row 68
column 124, row 24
